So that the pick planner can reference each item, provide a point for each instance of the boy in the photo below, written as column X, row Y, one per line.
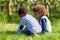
column 32, row 26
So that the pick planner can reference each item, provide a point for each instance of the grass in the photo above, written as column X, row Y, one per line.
column 8, row 31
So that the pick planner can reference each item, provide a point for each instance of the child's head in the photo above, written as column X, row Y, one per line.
column 22, row 11
column 39, row 11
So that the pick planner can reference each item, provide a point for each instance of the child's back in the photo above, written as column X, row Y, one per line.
column 31, row 24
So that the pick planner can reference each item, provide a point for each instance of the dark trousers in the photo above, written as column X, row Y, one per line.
column 27, row 32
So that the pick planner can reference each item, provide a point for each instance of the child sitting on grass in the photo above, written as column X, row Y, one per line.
column 41, row 13
column 32, row 25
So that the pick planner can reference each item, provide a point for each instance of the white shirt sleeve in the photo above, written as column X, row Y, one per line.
column 23, row 21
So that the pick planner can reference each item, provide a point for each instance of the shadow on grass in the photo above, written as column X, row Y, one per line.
column 14, row 33
column 8, row 32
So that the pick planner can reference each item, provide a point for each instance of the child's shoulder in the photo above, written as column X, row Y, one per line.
column 44, row 17
column 28, row 16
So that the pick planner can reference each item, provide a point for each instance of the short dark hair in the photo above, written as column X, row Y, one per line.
column 22, row 10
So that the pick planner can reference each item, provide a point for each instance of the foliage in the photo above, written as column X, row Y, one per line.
column 9, row 26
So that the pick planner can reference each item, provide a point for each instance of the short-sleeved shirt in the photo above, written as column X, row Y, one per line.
column 31, row 24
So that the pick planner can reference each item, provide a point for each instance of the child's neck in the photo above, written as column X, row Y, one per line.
column 24, row 15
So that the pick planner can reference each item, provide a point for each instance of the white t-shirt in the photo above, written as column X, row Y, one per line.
column 48, row 25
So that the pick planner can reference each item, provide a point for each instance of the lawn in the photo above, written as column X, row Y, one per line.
column 8, row 31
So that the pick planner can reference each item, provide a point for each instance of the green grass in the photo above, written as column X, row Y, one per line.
column 8, row 30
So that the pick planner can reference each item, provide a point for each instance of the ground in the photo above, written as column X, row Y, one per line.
column 8, row 31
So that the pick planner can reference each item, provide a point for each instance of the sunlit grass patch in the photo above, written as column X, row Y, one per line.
column 8, row 27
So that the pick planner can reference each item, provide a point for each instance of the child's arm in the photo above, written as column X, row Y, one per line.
column 43, row 22
column 20, row 29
